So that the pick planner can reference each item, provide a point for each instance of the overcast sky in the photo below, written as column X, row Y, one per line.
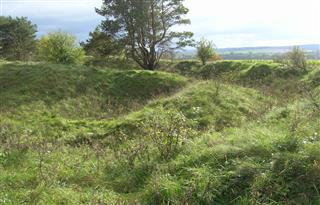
column 229, row 23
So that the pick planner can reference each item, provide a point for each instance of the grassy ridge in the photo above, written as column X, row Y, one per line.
column 205, row 105
column 236, row 137
column 81, row 88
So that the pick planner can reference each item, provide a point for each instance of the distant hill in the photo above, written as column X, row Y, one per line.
column 261, row 53
column 267, row 49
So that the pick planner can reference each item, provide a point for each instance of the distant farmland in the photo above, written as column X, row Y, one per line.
column 259, row 53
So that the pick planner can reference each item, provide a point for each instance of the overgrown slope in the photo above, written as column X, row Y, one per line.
column 87, row 136
column 80, row 91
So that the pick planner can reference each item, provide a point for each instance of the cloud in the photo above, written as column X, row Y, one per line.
column 232, row 23
column 229, row 23
column 77, row 17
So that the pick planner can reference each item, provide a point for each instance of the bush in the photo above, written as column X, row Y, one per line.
column 297, row 58
column 167, row 131
column 205, row 50
column 60, row 47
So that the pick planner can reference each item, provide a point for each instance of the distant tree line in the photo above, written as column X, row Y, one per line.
column 136, row 30
column 140, row 30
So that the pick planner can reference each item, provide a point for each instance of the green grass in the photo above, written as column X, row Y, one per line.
column 231, row 132
column 64, row 89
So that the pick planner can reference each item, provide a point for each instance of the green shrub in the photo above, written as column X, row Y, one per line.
column 60, row 47
column 168, row 130
column 205, row 50
column 297, row 58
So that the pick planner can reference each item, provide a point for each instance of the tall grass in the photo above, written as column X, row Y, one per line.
column 229, row 133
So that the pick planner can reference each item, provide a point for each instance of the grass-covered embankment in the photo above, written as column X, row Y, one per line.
column 229, row 133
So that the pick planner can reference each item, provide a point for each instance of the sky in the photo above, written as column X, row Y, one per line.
column 228, row 23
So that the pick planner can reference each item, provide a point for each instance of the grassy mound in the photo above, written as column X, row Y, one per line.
column 71, row 91
column 271, row 161
column 214, row 70
column 99, row 136
column 279, row 80
column 122, row 154
column 313, row 77
column 205, row 105
column 238, row 71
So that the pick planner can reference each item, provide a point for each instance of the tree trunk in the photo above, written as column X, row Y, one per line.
column 147, row 61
